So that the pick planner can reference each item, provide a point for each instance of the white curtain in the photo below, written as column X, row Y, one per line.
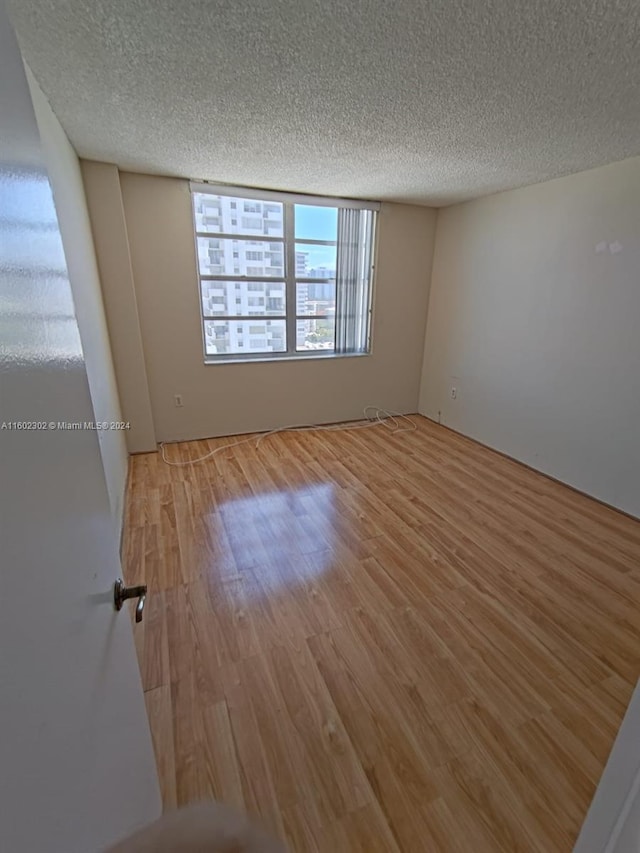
column 353, row 279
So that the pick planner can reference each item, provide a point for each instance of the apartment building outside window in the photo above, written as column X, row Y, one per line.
column 300, row 269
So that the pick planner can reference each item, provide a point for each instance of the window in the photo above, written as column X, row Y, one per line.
column 253, row 223
column 311, row 288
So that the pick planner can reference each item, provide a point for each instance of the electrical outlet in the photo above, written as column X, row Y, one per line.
column 454, row 393
column 178, row 400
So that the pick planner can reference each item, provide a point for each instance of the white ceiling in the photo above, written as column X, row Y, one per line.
column 427, row 101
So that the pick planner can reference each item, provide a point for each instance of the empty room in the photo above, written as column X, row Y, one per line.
column 320, row 426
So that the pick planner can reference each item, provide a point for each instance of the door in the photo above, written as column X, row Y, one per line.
column 76, row 762
column 612, row 824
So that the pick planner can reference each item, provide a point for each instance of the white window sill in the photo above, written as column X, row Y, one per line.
column 281, row 358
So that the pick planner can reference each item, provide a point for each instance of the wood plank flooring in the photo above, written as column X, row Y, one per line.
column 380, row 642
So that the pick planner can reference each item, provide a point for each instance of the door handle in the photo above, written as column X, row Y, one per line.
column 121, row 593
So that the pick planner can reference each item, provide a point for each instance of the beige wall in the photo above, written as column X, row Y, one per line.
column 102, row 186
column 534, row 317
column 68, row 192
column 234, row 398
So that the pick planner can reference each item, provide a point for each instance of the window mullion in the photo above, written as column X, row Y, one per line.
column 290, row 274
column 249, row 238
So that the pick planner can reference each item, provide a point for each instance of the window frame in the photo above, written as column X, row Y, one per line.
column 289, row 278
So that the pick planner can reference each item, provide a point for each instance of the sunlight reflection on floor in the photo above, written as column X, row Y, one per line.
column 272, row 534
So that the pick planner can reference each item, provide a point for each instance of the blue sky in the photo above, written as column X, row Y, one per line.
column 317, row 223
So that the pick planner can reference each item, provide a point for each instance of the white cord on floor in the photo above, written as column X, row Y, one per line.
column 392, row 421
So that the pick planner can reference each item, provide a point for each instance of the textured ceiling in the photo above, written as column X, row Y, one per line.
column 430, row 101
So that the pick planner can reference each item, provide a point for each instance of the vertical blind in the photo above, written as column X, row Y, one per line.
column 354, row 266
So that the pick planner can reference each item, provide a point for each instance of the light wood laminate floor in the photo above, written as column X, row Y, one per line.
column 382, row 643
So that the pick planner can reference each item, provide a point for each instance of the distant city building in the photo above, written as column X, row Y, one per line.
column 301, row 264
column 321, row 272
column 257, row 258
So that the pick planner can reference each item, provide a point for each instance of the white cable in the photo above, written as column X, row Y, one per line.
column 381, row 417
